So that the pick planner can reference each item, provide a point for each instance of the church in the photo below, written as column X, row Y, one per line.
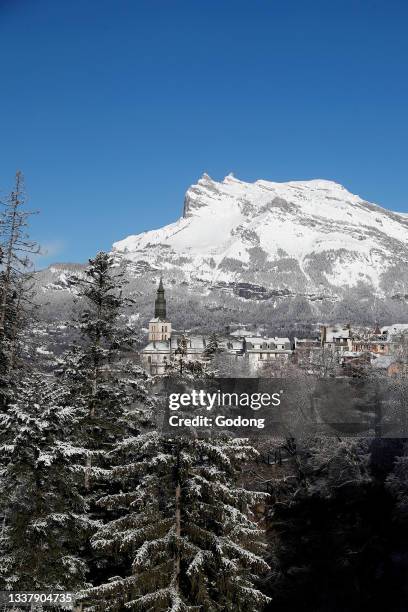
column 162, row 347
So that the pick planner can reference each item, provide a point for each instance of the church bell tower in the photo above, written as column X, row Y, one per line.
column 159, row 327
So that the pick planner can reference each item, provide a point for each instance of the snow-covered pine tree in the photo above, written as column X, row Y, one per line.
column 186, row 369
column 181, row 365
column 15, row 283
column 185, row 525
column 111, row 388
column 212, row 346
column 94, row 368
column 181, row 354
column 43, row 513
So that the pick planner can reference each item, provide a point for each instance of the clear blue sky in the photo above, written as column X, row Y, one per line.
column 112, row 108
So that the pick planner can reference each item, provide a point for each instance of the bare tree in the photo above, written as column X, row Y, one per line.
column 325, row 362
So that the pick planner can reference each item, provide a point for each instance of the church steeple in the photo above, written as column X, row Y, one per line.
column 160, row 303
column 159, row 327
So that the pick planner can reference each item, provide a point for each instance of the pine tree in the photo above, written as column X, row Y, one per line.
column 15, row 286
column 185, row 526
column 181, row 369
column 181, row 354
column 212, row 347
column 44, row 514
column 112, row 390
column 93, row 368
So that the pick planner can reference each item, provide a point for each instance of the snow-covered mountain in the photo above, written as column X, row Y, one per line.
column 312, row 238
column 280, row 256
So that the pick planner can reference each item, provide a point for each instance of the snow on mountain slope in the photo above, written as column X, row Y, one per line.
column 301, row 237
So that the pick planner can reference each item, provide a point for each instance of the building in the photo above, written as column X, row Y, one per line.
column 387, row 364
column 159, row 326
column 233, row 345
column 263, row 351
column 371, row 345
column 156, row 355
column 336, row 337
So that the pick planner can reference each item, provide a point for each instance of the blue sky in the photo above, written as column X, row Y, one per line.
column 112, row 108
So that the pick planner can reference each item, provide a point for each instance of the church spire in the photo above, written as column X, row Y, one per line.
column 160, row 302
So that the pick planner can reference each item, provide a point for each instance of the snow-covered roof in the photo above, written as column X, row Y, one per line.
column 241, row 332
column 336, row 332
column 307, row 341
column 261, row 339
column 396, row 328
column 259, row 342
column 382, row 361
column 341, row 334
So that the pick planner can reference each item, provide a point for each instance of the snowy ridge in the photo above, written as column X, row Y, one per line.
column 300, row 236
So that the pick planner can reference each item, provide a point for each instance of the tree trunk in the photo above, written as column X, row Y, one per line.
column 178, row 534
column 176, row 575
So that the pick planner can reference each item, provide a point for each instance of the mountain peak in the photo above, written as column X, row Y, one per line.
column 305, row 235
column 207, row 192
column 204, row 179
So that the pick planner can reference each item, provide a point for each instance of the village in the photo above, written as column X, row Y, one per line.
column 335, row 350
